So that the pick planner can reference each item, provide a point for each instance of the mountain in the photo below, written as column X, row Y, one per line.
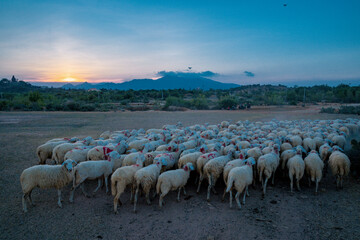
column 166, row 82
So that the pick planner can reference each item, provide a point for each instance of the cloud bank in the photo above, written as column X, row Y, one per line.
column 249, row 74
column 187, row 74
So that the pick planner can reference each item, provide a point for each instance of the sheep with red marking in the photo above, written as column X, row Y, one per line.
column 122, row 178
column 340, row 166
column 240, row 178
column 173, row 180
column 146, row 179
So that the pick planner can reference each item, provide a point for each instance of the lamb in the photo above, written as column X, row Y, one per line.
column 93, row 170
column 314, row 167
column 200, row 163
column 296, row 167
column 138, row 145
column 60, row 150
column 45, row 151
column 191, row 157
column 240, row 178
column 213, row 170
column 132, row 158
column 285, row 146
column 325, row 151
column 122, row 178
column 285, row 156
column 173, row 180
column 230, row 165
column 99, row 152
column 295, row 140
column 171, row 159
column 78, row 154
column 45, row 176
column 146, row 178
column 339, row 140
column 267, row 165
column 105, row 135
column 309, row 144
column 340, row 166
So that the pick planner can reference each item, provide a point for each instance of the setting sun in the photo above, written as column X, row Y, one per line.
column 69, row 79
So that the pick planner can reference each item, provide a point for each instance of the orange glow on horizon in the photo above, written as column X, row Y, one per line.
column 69, row 79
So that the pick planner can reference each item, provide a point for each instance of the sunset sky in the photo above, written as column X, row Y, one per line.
column 241, row 41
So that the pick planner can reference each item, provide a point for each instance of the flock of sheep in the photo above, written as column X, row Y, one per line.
column 162, row 159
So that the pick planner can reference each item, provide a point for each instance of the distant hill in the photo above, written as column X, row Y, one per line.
column 166, row 82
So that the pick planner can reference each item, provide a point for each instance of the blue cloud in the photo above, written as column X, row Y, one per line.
column 249, row 74
column 187, row 74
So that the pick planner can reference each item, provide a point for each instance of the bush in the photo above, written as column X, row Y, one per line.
column 174, row 101
column 328, row 110
column 34, row 96
column 228, row 103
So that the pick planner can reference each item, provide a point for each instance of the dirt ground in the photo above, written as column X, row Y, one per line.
column 330, row 215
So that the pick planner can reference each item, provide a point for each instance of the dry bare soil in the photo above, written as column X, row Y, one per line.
column 330, row 215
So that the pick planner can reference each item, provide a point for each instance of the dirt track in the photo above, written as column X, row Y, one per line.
column 330, row 215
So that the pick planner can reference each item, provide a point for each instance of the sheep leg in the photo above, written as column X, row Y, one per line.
column 265, row 183
column 237, row 200
column 83, row 190
column 316, row 188
column 30, row 199
column 208, row 193
column 106, row 184
column 99, row 186
column 223, row 196
column 132, row 194
column 244, row 195
column 136, row 198
column 59, row 198
column 71, row 198
column 298, row 184
column 341, row 182
column 291, row 182
column 178, row 197
column 196, row 179
column 116, row 201
column 273, row 177
column 213, row 186
column 24, row 202
column 161, row 199
column 184, row 191
column 247, row 192
column 230, row 198
column 201, row 178
column 147, row 193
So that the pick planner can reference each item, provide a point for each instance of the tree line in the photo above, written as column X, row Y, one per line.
column 19, row 95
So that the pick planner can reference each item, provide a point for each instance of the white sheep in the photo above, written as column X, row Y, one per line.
column 173, row 180
column 170, row 158
column 213, row 170
column 60, row 150
column 296, row 168
column 200, row 163
column 45, row 176
column 78, row 154
column 285, row 156
column 191, row 157
column 132, row 158
column 340, row 166
column 230, row 165
column 309, row 144
column 339, row 140
column 138, row 145
column 314, row 167
column 122, row 178
column 267, row 165
column 45, row 150
column 240, row 178
column 100, row 152
column 147, row 178
column 91, row 170
column 105, row 135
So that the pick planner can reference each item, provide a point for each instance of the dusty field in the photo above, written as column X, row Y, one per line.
column 330, row 215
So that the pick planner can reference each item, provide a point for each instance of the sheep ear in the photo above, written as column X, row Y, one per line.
column 192, row 167
column 341, row 150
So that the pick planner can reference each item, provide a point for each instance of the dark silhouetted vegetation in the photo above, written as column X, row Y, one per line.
column 22, row 96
